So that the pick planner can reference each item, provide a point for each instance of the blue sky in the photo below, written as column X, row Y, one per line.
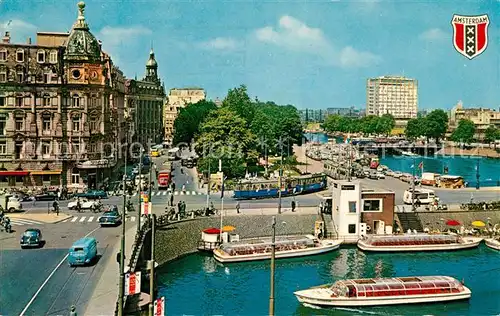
column 313, row 54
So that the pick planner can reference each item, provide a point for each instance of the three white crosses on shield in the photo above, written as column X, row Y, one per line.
column 470, row 34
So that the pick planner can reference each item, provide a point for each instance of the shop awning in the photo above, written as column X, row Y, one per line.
column 45, row 172
column 14, row 173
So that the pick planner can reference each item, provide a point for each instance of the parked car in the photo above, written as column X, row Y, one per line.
column 93, row 194
column 397, row 174
column 46, row 197
column 111, row 218
column 85, row 204
column 32, row 237
column 380, row 175
column 373, row 176
column 389, row 173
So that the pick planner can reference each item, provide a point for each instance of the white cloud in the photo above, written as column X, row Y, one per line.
column 434, row 34
column 117, row 35
column 295, row 35
column 19, row 29
column 221, row 43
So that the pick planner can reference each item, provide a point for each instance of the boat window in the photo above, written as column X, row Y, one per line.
column 410, row 279
column 364, row 281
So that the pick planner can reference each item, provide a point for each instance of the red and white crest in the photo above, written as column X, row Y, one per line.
column 470, row 34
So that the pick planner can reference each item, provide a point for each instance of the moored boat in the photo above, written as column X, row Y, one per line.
column 286, row 247
column 417, row 242
column 385, row 291
column 493, row 243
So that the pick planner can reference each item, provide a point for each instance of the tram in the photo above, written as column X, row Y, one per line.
column 246, row 189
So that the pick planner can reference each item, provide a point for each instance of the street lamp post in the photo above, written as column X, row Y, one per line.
column 208, row 183
column 280, row 177
column 152, row 267
column 139, row 188
column 122, row 245
column 413, row 187
column 477, row 175
column 273, row 255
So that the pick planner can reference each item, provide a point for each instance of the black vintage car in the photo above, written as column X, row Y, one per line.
column 49, row 196
column 32, row 237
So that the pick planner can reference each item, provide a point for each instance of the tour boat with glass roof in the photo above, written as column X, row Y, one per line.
column 493, row 243
column 385, row 291
column 417, row 242
column 286, row 247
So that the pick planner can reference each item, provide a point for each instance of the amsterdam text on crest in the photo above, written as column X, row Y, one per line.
column 470, row 34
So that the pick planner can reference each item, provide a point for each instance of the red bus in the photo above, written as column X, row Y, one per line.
column 164, row 179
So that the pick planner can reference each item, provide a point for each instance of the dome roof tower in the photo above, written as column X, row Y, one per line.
column 81, row 44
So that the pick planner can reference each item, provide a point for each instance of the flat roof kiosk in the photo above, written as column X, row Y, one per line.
column 346, row 210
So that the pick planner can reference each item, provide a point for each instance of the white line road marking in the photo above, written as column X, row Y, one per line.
column 74, row 219
column 91, row 218
column 135, row 193
column 193, row 193
column 82, row 219
column 176, row 193
column 165, row 193
column 132, row 219
column 187, row 193
column 48, row 278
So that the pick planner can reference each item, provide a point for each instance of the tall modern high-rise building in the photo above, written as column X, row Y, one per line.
column 392, row 95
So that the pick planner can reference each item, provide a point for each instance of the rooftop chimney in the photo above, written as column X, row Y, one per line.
column 6, row 38
column 29, row 41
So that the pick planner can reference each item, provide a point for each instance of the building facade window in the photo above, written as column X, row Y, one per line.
column 93, row 125
column 18, row 149
column 53, row 57
column 3, row 76
column 19, row 123
column 40, row 56
column 76, row 101
column 20, row 77
column 45, row 149
column 75, row 177
column 76, row 124
column 351, row 228
column 46, row 123
column 3, row 124
column 352, row 206
column 2, row 101
column 46, row 100
column 19, row 101
column 3, row 55
column 76, row 148
column 372, row 205
column 20, row 56
column 3, row 147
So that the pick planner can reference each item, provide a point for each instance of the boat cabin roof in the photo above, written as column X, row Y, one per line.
column 266, row 241
column 384, row 284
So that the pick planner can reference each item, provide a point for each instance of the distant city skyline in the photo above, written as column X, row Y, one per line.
column 312, row 55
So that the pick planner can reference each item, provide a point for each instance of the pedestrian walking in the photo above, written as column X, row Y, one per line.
column 173, row 186
column 172, row 200
column 293, row 205
column 238, row 207
column 72, row 311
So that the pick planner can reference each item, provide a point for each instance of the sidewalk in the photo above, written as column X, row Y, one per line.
column 105, row 295
column 51, row 218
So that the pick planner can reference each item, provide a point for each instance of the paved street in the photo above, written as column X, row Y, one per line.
column 39, row 281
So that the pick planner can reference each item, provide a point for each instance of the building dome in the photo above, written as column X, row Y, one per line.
column 81, row 44
column 151, row 61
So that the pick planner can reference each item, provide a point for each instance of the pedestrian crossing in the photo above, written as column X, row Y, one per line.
column 24, row 222
column 165, row 193
column 91, row 219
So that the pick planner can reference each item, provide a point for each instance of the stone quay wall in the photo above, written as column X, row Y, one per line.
column 433, row 219
column 181, row 238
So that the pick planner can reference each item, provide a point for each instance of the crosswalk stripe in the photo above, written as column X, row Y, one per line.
column 187, row 193
column 91, row 218
column 132, row 219
column 176, row 193
column 193, row 193
column 74, row 219
column 164, row 192
column 135, row 193
column 16, row 223
column 82, row 219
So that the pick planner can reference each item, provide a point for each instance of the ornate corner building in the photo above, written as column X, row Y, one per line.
column 144, row 102
column 62, row 113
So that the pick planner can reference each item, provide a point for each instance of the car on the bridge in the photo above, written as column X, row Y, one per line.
column 93, row 194
column 32, row 237
column 49, row 196
column 85, row 204
column 111, row 218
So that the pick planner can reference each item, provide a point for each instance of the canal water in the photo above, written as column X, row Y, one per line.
column 465, row 166
column 198, row 285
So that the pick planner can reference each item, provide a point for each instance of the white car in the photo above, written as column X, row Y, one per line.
column 397, row 174
column 86, row 204
column 380, row 175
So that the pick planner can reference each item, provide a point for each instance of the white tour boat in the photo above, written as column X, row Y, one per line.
column 385, row 291
column 286, row 247
column 493, row 243
column 417, row 242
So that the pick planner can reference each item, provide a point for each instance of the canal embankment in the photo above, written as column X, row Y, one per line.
column 437, row 220
column 476, row 151
column 181, row 238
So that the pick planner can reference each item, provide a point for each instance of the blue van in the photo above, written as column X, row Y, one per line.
column 83, row 251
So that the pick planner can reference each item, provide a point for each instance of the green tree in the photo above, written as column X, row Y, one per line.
column 237, row 100
column 415, row 128
column 331, row 123
column 224, row 136
column 491, row 134
column 385, row 124
column 464, row 132
column 188, row 122
column 435, row 125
